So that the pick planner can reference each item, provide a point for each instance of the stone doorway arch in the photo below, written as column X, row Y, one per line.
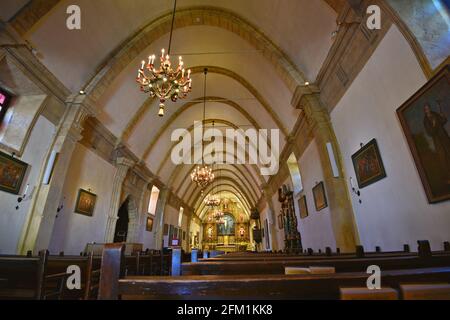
column 128, row 211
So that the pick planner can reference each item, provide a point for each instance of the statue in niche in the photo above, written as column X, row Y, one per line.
column 210, row 232
column 241, row 231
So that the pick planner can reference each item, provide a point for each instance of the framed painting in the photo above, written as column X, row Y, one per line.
column 12, row 173
column 425, row 122
column 166, row 229
column 303, row 207
column 368, row 164
column 320, row 198
column 280, row 222
column 85, row 204
column 149, row 224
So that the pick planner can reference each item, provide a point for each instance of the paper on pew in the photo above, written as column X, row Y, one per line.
column 296, row 270
column 322, row 270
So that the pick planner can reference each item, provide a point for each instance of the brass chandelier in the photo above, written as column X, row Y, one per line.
column 165, row 82
column 202, row 174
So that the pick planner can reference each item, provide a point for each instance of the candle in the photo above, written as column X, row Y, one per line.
column 26, row 189
column 182, row 73
column 162, row 53
column 139, row 74
column 143, row 64
column 189, row 73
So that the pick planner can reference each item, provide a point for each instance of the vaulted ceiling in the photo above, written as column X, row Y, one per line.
column 256, row 51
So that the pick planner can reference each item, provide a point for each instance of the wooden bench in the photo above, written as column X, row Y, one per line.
column 25, row 277
column 268, row 266
column 114, row 284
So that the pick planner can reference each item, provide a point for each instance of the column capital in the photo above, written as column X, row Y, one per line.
column 125, row 162
column 85, row 103
column 302, row 92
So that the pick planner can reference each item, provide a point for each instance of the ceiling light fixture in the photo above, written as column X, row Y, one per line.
column 202, row 174
column 165, row 82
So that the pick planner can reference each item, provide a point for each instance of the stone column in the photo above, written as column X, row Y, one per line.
column 38, row 226
column 317, row 117
column 122, row 166
column 160, row 208
column 272, row 217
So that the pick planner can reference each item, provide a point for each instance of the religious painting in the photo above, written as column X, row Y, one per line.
column 166, row 229
column 425, row 122
column 85, row 204
column 227, row 227
column 320, row 198
column 149, row 225
column 12, row 173
column 303, row 207
column 280, row 221
column 368, row 164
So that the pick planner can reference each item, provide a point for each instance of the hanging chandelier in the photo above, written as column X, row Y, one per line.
column 165, row 82
column 212, row 201
column 202, row 174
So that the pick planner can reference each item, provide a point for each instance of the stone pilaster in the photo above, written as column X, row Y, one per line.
column 122, row 167
column 317, row 117
column 38, row 226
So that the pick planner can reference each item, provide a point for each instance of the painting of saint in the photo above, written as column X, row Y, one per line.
column 85, row 203
column 425, row 121
column 12, row 172
column 368, row 164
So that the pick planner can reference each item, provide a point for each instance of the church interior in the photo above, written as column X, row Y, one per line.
column 278, row 148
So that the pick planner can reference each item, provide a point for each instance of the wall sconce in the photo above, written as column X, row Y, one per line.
column 60, row 207
column 23, row 197
column 355, row 189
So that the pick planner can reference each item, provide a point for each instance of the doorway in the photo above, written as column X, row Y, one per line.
column 121, row 231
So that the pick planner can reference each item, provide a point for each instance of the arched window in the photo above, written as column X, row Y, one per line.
column 153, row 200
column 180, row 217
column 295, row 173
column 5, row 99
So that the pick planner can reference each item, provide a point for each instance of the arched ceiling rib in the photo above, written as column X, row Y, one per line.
column 224, row 177
column 167, row 165
column 185, row 184
column 197, row 101
column 145, row 107
column 198, row 202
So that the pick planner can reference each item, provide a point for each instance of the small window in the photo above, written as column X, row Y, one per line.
column 5, row 99
column 295, row 174
column 153, row 200
column 180, row 217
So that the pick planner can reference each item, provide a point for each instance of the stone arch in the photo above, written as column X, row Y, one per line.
column 132, row 124
column 192, row 16
column 133, row 217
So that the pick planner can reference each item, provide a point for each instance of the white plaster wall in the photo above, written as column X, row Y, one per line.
column 394, row 210
column 148, row 238
column 316, row 229
column 73, row 231
column 12, row 220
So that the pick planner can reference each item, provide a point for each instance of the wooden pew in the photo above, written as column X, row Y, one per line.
column 114, row 285
column 90, row 274
column 277, row 266
column 25, row 277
